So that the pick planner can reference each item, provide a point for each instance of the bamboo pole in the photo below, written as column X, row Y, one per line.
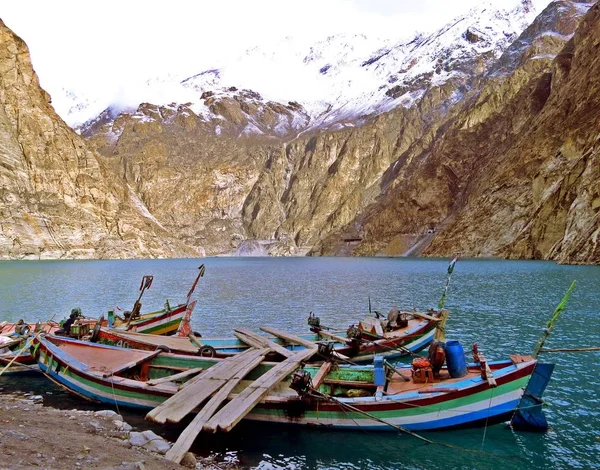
column 595, row 348
column 550, row 324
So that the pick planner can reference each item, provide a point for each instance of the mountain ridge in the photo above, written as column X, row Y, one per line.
column 421, row 178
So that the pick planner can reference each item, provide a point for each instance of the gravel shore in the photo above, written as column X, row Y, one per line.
column 37, row 436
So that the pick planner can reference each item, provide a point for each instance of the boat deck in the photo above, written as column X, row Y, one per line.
column 109, row 360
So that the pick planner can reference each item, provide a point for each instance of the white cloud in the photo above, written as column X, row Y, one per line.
column 107, row 48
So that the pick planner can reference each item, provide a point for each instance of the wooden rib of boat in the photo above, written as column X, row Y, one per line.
column 348, row 397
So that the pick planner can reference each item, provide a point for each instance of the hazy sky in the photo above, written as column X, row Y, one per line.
column 76, row 44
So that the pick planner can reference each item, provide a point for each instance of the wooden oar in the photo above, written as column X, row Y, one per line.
column 450, row 271
column 200, row 274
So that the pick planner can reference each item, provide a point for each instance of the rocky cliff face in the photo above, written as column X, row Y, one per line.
column 514, row 173
column 488, row 152
column 56, row 199
column 193, row 181
column 542, row 193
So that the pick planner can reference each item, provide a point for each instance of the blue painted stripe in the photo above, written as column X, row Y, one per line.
column 464, row 418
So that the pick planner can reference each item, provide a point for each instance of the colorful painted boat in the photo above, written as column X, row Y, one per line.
column 348, row 397
column 14, row 345
column 162, row 322
column 415, row 335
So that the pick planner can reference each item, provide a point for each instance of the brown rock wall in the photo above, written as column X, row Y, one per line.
column 56, row 199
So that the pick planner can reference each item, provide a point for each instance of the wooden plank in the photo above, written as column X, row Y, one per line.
column 196, row 390
column 487, row 372
column 321, row 374
column 290, row 338
column 188, row 436
column 256, row 340
column 171, row 378
column 162, row 411
column 131, row 364
column 199, row 388
column 240, row 406
column 423, row 315
column 332, row 336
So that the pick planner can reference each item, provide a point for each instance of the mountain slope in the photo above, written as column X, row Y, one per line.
column 514, row 173
column 548, row 178
column 335, row 82
column 480, row 138
column 282, row 172
column 57, row 200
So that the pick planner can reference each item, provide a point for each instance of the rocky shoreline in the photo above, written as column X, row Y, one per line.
column 36, row 436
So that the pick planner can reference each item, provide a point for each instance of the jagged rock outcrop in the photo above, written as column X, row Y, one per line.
column 546, row 183
column 56, row 199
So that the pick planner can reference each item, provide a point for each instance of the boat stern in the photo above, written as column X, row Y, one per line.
column 529, row 415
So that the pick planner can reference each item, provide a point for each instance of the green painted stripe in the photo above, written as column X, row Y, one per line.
column 408, row 412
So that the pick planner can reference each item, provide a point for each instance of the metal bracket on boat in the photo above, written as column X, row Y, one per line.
column 301, row 381
column 325, row 349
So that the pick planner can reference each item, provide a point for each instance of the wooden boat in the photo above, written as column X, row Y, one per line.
column 347, row 397
column 369, row 338
column 14, row 348
column 162, row 322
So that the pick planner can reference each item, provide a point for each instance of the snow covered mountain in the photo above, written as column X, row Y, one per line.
column 334, row 83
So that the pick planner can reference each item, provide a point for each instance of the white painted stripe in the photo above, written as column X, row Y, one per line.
column 359, row 421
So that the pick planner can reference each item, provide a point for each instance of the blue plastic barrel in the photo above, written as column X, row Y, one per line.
column 455, row 359
column 378, row 371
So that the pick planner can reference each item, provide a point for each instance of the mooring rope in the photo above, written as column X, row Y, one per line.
column 401, row 429
column 112, row 384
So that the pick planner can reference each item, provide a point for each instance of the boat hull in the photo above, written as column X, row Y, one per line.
column 472, row 402
column 162, row 322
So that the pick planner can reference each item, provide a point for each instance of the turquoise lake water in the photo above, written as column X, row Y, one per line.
column 502, row 305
